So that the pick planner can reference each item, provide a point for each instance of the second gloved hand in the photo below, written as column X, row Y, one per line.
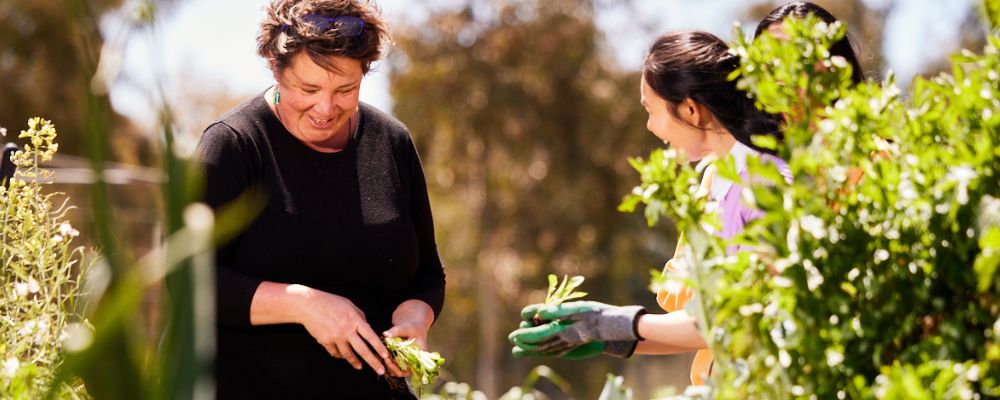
column 576, row 323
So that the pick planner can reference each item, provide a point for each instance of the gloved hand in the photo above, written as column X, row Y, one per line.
column 577, row 323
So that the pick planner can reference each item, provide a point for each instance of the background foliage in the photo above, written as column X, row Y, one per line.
column 883, row 289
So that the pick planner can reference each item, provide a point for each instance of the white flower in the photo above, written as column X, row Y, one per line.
column 66, row 229
column 906, row 189
column 973, row 373
column 784, row 359
column 813, row 277
column 780, row 281
column 57, row 239
column 10, row 366
column 813, row 225
column 778, row 336
column 834, row 358
column 789, row 326
column 827, row 126
column 33, row 285
column 698, row 392
column 852, row 274
column 881, row 255
column 27, row 328
column 792, row 239
column 751, row 309
column 43, row 326
column 962, row 174
column 838, row 173
column 838, row 61
column 21, row 289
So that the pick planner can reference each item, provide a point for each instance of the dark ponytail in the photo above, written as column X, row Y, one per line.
column 697, row 65
column 801, row 9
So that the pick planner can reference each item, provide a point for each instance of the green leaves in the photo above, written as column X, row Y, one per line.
column 40, row 275
column 561, row 292
column 989, row 260
column 423, row 366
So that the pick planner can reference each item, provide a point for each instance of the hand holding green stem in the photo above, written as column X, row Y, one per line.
column 423, row 366
column 574, row 330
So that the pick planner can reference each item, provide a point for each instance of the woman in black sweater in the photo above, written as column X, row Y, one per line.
column 343, row 251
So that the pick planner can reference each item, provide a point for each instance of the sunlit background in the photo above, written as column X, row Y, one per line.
column 524, row 113
column 209, row 44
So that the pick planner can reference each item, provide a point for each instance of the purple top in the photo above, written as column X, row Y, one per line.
column 735, row 213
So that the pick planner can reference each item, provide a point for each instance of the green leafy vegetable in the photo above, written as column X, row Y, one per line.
column 562, row 292
column 423, row 366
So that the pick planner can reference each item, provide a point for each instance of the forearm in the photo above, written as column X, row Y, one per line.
column 671, row 333
column 655, row 348
column 414, row 310
column 277, row 303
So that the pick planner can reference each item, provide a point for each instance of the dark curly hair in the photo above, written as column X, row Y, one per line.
column 696, row 65
column 290, row 28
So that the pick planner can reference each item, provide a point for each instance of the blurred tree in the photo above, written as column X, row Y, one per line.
column 524, row 128
column 39, row 56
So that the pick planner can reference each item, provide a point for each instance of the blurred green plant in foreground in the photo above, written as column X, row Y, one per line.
column 40, row 275
column 885, row 288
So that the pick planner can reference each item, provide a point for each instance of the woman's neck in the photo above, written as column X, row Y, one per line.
column 720, row 142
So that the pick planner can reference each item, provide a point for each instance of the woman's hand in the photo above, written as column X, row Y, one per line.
column 340, row 326
column 411, row 320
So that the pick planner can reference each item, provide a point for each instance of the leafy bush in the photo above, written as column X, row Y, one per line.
column 886, row 288
column 41, row 269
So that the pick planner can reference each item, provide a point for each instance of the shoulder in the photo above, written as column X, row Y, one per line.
column 779, row 163
column 245, row 118
column 234, row 130
column 378, row 122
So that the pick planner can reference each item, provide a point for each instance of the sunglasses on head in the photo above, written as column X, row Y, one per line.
column 346, row 25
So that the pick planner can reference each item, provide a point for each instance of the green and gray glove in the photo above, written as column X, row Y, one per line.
column 575, row 324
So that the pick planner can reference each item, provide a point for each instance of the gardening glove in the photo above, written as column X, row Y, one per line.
column 559, row 348
column 575, row 323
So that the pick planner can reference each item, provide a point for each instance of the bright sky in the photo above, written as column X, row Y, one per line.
column 211, row 43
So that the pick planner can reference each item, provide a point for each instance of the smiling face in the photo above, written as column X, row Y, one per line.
column 316, row 104
column 667, row 126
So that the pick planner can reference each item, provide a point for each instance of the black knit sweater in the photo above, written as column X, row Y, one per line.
column 356, row 223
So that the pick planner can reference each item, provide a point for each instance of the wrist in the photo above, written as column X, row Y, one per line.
column 621, row 323
column 414, row 312
column 620, row 349
column 297, row 299
column 635, row 325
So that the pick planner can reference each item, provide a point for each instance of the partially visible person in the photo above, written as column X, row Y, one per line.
column 773, row 23
column 695, row 108
column 343, row 251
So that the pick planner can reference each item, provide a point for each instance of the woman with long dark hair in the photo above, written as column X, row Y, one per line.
column 694, row 108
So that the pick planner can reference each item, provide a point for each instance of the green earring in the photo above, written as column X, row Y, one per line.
column 277, row 96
